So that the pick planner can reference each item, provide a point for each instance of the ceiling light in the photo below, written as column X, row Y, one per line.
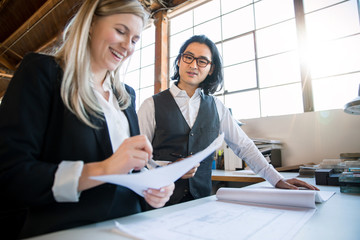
column 353, row 107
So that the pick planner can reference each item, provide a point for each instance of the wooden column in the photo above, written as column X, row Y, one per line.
column 161, row 52
column 306, row 81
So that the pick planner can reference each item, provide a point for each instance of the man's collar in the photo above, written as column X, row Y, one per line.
column 176, row 91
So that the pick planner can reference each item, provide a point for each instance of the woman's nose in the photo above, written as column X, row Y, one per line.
column 126, row 44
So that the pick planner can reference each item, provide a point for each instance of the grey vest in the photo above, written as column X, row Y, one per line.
column 173, row 135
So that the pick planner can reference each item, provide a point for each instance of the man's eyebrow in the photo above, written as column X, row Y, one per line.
column 190, row 53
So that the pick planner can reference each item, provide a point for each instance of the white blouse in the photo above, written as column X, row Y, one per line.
column 68, row 173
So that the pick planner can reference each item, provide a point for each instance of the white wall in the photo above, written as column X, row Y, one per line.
column 309, row 137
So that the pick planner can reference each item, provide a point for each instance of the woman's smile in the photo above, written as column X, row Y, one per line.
column 118, row 56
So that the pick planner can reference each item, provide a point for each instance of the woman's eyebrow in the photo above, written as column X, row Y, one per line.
column 127, row 29
column 123, row 25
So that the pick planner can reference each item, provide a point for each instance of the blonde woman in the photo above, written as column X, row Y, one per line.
column 67, row 117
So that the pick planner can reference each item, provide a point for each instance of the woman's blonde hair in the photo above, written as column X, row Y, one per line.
column 74, row 57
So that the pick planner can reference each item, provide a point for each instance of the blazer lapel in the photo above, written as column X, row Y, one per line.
column 102, row 132
column 133, row 121
column 102, row 135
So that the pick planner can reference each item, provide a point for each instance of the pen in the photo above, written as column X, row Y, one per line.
column 152, row 163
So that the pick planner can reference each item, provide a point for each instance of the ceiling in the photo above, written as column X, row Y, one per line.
column 31, row 26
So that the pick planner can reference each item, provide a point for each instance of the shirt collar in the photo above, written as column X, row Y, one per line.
column 177, row 92
column 107, row 84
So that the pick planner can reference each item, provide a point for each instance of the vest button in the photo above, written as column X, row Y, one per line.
column 191, row 134
column 191, row 153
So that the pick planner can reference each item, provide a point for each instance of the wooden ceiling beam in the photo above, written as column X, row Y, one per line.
column 2, row 93
column 156, row 5
column 6, row 76
column 47, row 45
column 6, row 63
column 29, row 24
column 179, row 2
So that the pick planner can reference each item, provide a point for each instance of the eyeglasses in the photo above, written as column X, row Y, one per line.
column 201, row 62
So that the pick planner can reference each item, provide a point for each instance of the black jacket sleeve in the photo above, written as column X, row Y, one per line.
column 24, row 117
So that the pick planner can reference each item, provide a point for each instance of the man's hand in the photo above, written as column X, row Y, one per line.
column 191, row 173
column 294, row 183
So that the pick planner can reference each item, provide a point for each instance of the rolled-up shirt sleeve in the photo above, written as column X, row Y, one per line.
column 244, row 147
column 146, row 115
column 65, row 188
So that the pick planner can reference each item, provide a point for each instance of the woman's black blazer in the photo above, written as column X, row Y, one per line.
column 37, row 132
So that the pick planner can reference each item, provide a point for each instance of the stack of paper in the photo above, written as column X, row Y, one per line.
column 265, row 145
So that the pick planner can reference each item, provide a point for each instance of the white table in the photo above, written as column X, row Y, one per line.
column 338, row 218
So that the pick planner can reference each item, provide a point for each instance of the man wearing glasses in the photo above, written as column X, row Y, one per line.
column 185, row 119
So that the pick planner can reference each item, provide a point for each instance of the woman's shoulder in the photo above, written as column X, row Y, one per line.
column 38, row 60
column 33, row 56
column 36, row 68
column 129, row 89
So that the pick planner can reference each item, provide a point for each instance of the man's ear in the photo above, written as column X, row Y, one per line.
column 211, row 69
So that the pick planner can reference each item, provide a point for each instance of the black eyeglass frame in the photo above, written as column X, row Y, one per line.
column 197, row 60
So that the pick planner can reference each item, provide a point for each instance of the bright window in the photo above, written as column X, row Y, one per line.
column 262, row 43
column 140, row 71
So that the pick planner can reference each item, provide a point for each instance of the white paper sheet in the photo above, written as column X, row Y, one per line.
column 323, row 196
column 219, row 220
column 163, row 176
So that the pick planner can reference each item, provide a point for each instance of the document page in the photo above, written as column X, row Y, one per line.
column 219, row 220
column 162, row 176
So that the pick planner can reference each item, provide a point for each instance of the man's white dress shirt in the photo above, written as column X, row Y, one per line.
column 235, row 137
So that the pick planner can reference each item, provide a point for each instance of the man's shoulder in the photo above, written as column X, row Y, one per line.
column 161, row 94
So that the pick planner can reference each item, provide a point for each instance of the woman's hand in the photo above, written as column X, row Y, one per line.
column 158, row 197
column 294, row 183
column 133, row 153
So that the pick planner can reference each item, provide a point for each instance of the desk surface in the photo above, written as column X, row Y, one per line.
column 338, row 218
column 234, row 176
